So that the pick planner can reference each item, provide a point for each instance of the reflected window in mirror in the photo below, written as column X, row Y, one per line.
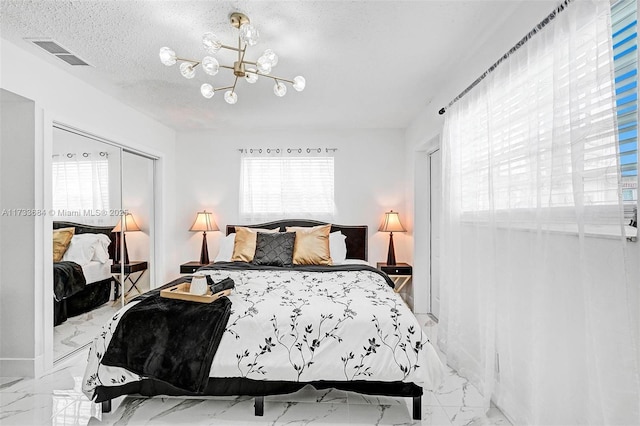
column 80, row 181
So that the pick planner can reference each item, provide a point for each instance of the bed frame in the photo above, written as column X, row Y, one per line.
column 95, row 294
column 356, row 243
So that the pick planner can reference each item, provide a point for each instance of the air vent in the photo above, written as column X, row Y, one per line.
column 58, row 51
column 72, row 60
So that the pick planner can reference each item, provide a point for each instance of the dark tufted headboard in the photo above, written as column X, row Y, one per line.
column 356, row 240
column 90, row 229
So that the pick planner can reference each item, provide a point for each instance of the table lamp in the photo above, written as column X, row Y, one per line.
column 204, row 222
column 129, row 225
column 391, row 224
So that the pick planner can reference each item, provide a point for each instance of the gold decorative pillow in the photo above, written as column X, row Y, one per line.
column 244, row 245
column 61, row 240
column 312, row 245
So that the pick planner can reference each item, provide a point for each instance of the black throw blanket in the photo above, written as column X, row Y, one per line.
column 68, row 280
column 169, row 340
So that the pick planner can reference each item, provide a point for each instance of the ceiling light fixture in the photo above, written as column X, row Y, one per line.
column 247, row 36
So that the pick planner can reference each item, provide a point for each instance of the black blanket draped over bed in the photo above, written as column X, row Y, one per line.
column 68, row 280
column 169, row 340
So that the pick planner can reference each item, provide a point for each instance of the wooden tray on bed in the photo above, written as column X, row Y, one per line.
column 181, row 292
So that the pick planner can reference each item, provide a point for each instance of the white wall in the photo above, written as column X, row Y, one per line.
column 63, row 98
column 17, row 234
column 369, row 180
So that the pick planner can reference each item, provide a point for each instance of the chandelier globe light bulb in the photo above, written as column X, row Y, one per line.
column 264, row 65
column 207, row 90
column 271, row 57
column 211, row 42
column 299, row 83
column 249, row 34
column 210, row 65
column 280, row 89
column 187, row 71
column 251, row 75
column 168, row 56
column 230, row 97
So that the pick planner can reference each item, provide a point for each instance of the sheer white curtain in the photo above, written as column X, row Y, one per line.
column 278, row 183
column 80, row 182
column 537, row 311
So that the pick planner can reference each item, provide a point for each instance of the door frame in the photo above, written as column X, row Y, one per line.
column 429, row 157
column 421, row 227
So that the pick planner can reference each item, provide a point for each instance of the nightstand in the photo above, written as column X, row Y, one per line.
column 130, row 268
column 191, row 267
column 400, row 273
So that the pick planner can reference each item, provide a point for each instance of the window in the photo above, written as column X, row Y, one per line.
column 624, row 23
column 80, row 185
column 286, row 186
column 539, row 132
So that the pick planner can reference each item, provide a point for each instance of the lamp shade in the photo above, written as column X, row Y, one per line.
column 204, row 222
column 391, row 223
column 129, row 224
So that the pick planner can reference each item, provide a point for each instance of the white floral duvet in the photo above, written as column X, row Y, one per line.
column 301, row 326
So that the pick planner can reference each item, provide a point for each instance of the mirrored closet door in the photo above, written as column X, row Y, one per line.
column 136, row 274
column 102, row 199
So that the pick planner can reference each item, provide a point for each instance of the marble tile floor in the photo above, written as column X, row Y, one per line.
column 80, row 330
column 57, row 399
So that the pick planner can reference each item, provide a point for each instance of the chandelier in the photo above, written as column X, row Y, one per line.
column 242, row 68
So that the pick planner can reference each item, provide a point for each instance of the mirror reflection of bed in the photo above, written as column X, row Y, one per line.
column 95, row 180
column 84, row 288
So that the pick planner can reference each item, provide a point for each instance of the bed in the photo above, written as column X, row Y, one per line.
column 81, row 286
column 331, row 326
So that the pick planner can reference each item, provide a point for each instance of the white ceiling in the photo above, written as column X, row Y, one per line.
column 368, row 64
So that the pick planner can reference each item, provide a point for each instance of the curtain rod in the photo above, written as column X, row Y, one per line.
column 84, row 154
column 288, row 150
column 521, row 43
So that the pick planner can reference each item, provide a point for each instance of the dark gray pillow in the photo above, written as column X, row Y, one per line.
column 274, row 249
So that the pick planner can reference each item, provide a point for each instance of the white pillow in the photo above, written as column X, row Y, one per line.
column 226, row 248
column 101, row 253
column 80, row 251
column 87, row 247
column 337, row 247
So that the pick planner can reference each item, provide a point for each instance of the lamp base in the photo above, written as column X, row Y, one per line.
column 121, row 254
column 391, row 256
column 204, row 252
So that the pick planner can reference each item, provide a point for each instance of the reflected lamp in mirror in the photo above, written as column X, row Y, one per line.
column 204, row 222
column 129, row 226
column 391, row 223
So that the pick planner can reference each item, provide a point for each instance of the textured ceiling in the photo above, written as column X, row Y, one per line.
column 368, row 64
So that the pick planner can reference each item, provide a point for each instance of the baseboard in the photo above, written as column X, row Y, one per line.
column 17, row 367
column 23, row 367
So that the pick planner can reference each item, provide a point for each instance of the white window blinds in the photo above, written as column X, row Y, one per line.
column 283, row 185
column 624, row 23
column 80, row 185
column 539, row 132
